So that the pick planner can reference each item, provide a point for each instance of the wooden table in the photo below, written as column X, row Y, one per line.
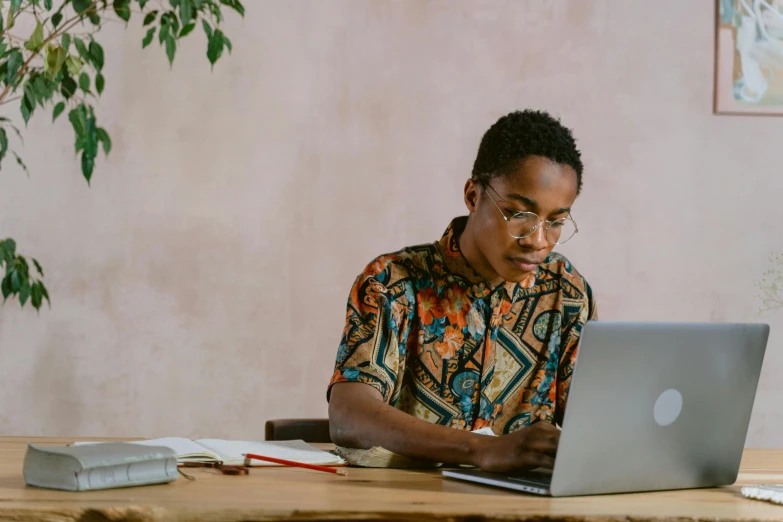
column 365, row 494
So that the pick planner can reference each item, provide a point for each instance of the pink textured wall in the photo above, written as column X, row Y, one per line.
column 199, row 286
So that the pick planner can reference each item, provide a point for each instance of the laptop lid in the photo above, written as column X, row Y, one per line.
column 656, row 406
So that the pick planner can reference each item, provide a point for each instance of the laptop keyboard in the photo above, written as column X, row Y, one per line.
column 532, row 477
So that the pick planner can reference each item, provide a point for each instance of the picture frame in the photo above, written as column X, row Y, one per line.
column 748, row 58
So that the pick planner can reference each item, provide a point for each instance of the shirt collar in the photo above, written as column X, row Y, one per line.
column 456, row 263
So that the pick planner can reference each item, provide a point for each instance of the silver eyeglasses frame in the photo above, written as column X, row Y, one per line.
column 547, row 223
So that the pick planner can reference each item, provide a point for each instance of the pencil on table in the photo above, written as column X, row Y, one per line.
column 295, row 464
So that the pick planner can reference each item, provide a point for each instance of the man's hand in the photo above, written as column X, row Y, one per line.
column 359, row 418
column 528, row 448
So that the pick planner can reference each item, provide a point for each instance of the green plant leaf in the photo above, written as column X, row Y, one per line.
column 9, row 246
column 48, row 5
column 61, row 56
column 100, row 83
column 171, row 20
column 165, row 31
column 49, row 58
column 38, row 267
column 15, row 4
column 37, row 295
column 45, row 294
column 186, row 11
column 16, row 281
column 68, row 87
column 22, row 267
column 58, row 109
column 122, row 8
column 207, row 28
column 88, row 165
column 104, row 138
column 171, row 48
column 24, row 293
column 39, row 91
column 29, row 95
column 27, row 111
column 76, row 118
column 150, row 17
column 36, row 39
column 80, row 6
column 91, row 142
column 54, row 60
column 14, row 62
column 215, row 47
column 84, row 82
column 6, row 287
column 96, row 52
column 43, row 89
column 148, row 38
column 74, row 65
column 227, row 43
column 66, row 41
column 3, row 143
column 142, row 3
column 56, row 19
column 82, row 49
column 187, row 29
column 21, row 163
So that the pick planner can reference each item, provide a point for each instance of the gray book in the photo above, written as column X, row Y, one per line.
column 98, row 466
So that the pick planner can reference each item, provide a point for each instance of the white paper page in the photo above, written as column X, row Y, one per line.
column 231, row 451
column 186, row 449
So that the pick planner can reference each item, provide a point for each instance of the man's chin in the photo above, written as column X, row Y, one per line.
column 513, row 274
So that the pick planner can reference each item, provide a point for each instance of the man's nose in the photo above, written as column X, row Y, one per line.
column 537, row 240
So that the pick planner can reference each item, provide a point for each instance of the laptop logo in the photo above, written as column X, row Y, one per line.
column 667, row 407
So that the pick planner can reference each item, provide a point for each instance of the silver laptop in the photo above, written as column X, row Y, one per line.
column 652, row 406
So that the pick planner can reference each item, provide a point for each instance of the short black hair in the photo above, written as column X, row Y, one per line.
column 519, row 135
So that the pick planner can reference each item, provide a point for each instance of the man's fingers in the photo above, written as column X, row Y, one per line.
column 532, row 447
column 538, row 460
column 545, row 435
column 543, row 440
column 546, row 446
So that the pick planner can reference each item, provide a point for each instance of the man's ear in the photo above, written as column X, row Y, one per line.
column 471, row 195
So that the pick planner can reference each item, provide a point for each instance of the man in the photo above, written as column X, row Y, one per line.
column 479, row 329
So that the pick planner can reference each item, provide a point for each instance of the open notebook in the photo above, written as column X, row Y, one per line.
column 230, row 452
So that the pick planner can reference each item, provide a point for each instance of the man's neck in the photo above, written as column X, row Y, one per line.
column 477, row 261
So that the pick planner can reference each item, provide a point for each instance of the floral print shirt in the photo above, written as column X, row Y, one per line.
column 425, row 330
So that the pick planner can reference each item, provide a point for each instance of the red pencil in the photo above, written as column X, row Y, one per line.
column 295, row 464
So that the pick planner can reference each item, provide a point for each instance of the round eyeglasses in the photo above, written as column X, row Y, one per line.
column 523, row 224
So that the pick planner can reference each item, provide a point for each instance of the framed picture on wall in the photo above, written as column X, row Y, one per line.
column 749, row 57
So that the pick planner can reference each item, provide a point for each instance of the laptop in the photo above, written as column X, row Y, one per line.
column 652, row 406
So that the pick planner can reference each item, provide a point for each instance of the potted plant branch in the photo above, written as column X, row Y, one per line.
column 58, row 68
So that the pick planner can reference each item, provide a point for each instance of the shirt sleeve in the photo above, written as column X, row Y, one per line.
column 375, row 331
column 589, row 312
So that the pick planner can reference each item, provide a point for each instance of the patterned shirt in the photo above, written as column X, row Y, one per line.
column 426, row 331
